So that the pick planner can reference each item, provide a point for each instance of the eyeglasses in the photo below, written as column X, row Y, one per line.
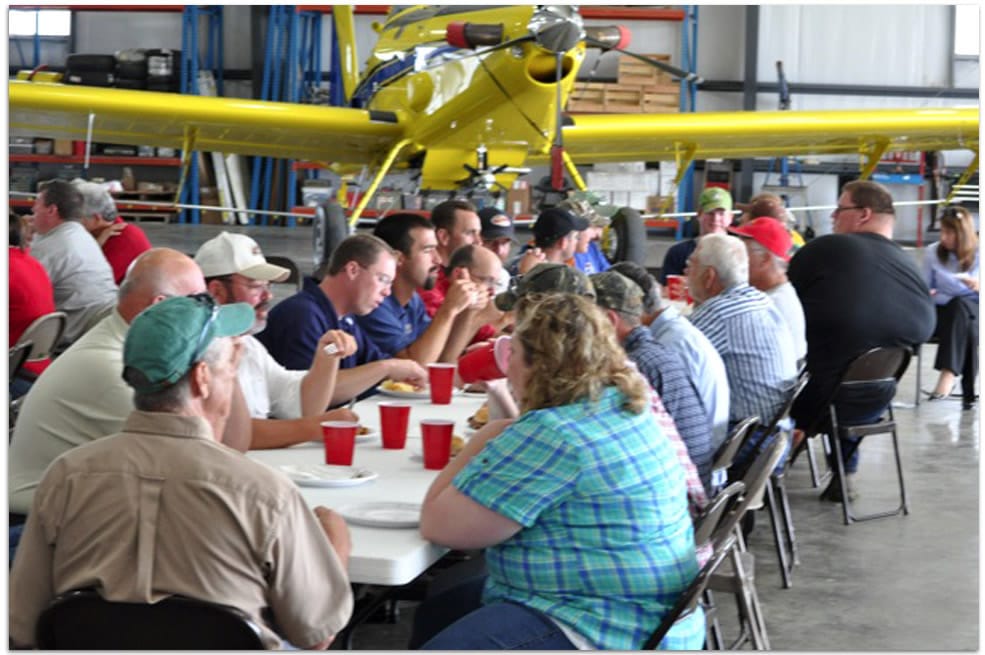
column 254, row 286
column 382, row 278
column 200, row 345
column 838, row 210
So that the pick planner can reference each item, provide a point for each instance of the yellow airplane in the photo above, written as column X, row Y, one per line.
column 470, row 96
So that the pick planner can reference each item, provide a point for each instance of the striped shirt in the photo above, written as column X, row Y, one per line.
column 751, row 336
column 607, row 545
column 664, row 369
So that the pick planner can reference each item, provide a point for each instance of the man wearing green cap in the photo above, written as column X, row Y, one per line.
column 714, row 217
column 163, row 508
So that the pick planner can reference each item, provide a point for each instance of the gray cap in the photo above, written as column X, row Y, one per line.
column 546, row 277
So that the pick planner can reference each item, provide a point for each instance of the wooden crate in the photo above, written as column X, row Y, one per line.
column 634, row 71
column 596, row 97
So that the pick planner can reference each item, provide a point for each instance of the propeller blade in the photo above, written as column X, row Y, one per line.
column 665, row 67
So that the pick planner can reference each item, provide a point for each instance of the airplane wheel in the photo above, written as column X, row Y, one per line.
column 626, row 238
column 83, row 63
column 331, row 227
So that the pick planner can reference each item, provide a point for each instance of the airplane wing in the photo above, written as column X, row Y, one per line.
column 230, row 125
column 738, row 135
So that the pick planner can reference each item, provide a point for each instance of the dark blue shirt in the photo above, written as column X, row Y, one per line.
column 593, row 261
column 392, row 327
column 664, row 369
column 676, row 259
column 295, row 325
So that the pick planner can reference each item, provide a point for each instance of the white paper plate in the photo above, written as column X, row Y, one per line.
column 423, row 393
column 382, row 514
column 360, row 438
column 324, row 475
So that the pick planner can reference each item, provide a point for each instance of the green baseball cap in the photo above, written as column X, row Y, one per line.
column 617, row 292
column 713, row 198
column 166, row 339
column 546, row 277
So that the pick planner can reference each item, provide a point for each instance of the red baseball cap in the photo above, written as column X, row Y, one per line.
column 769, row 233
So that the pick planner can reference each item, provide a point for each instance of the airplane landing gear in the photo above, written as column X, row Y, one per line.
column 330, row 228
column 625, row 238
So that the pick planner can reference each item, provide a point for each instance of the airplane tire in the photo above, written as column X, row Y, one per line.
column 629, row 233
column 130, row 83
column 331, row 227
column 81, row 63
column 134, row 70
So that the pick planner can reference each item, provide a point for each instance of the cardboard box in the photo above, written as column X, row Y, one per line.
column 518, row 198
column 43, row 146
column 63, row 147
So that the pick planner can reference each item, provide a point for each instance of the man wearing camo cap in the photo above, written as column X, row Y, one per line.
column 546, row 277
column 622, row 301
column 588, row 255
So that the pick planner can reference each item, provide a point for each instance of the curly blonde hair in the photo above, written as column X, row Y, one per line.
column 573, row 353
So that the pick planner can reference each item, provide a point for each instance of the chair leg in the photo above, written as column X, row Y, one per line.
column 781, row 489
column 916, row 395
column 899, row 471
column 714, row 628
column 779, row 539
column 812, row 463
column 749, row 607
column 836, row 442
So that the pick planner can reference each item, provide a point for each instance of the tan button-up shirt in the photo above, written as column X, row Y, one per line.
column 162, row 509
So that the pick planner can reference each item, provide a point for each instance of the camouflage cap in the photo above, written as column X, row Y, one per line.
column 546, row 277
column 617, row 292
column 585, row 209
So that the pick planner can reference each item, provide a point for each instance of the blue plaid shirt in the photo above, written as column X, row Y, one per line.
column 606, row 546
column 752, row 337
column 664, row 369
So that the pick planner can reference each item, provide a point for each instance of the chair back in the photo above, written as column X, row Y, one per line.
column 711, row 515
column 886, row 364
column 803, row 377
column 44, row 332
column 757, row 475
column 18, row 354
column 83, row 620
column 689, row 598
column 288, row 263
column 726, row 452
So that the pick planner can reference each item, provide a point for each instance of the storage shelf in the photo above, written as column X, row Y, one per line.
column 96, row 160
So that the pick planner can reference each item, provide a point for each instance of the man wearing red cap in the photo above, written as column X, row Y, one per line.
column 769, row 244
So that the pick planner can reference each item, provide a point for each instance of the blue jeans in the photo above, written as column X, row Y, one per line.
column 456, row 619
column 15, row 532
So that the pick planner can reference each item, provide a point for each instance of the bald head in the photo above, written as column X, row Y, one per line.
column 155, row 275
column 483, row 265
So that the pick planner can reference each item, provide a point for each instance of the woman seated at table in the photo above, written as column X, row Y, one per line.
column 583, row 513
column 951, row 270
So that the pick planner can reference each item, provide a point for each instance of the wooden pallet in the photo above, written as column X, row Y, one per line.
column 619, row 98
column 634, row 71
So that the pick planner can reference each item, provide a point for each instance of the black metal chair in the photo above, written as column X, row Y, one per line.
column 725, row 454
column 83, row 620
column 879, row 369
column 288, row 263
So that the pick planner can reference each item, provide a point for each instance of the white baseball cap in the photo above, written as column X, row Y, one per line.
column 231, row 253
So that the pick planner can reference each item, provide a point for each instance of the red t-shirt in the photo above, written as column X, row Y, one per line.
column 31, row 296
column 124, row 248
column 433, row 299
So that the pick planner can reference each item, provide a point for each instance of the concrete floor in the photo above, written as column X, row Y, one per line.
column 901, row 583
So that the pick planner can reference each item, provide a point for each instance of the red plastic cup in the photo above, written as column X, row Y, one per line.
column 393, row 424
column 340, row 441
column 441, row 377
column 487, row 362
column 677, row 287
column 436, row 434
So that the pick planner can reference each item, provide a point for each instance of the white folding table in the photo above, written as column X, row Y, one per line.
column 383, row 556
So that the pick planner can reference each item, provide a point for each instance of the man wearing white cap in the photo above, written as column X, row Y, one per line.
column 235, row 270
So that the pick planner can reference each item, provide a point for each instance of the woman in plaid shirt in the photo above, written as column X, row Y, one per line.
column 580, row 504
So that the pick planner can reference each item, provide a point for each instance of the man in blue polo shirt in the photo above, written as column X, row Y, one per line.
column 358, row 278
column 399, row 326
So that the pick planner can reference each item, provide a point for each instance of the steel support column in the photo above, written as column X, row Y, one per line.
column 743, row 190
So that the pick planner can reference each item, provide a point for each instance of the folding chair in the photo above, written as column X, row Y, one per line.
column 44, row 332
column 726, row 451
column 18, row 354
column 83, row 620
column 737, row 576
column 883, row 367
column 688, row 600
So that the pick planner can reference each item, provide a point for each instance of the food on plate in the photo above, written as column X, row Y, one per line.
column 393, row 385
column 457, row 443
column 363, row 430
column 480, row 418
